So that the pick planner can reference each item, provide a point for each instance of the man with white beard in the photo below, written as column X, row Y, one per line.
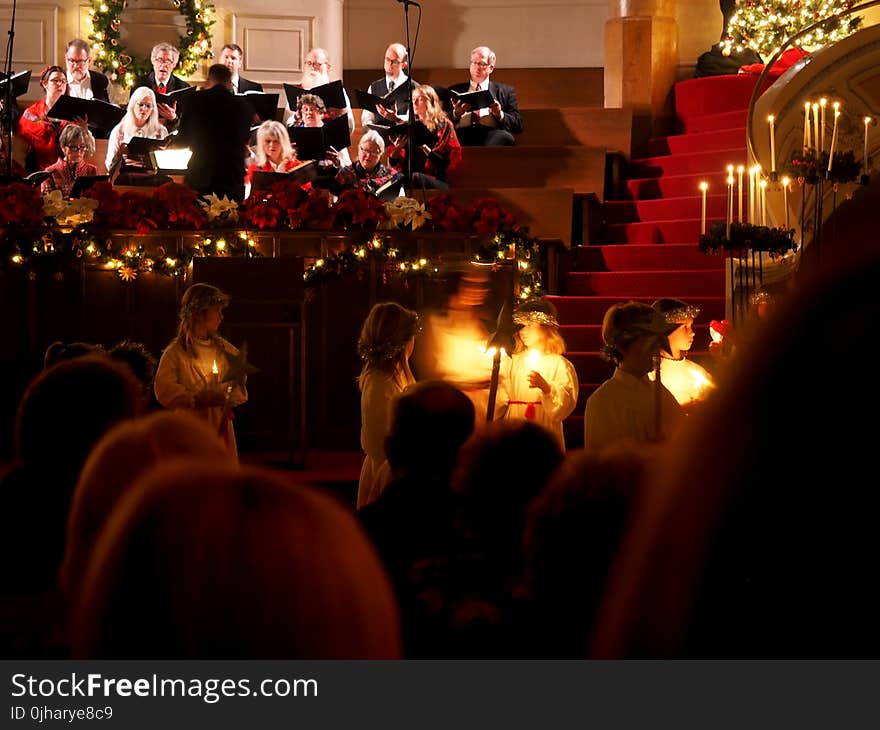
column 316, row 72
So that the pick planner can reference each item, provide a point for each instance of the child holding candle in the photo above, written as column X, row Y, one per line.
column 187, row 378
column 540, row 384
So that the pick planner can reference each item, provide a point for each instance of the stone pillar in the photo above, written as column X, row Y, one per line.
column 641, row 58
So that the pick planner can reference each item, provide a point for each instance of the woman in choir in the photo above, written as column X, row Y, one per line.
column 77, row 144
column 436, row 150
column 141, row 120
column 368, row 172
column 274, row 152
column 310, row 112
column 34, row 126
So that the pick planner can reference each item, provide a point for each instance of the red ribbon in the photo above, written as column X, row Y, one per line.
column 529, row 404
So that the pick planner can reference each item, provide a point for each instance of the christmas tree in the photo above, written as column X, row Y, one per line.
column 765, row 26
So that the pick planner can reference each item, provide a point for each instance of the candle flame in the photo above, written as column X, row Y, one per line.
column 785, row 181
column 214, row 369
column 867, row 121
column 741, row 169
column 704, row 186
column 771, row 118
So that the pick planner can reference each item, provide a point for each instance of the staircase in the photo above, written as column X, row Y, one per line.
column 650, row 242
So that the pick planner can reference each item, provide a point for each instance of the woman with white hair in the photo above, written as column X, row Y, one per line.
column 141, row 120
column 274, row 152
column 368, row 172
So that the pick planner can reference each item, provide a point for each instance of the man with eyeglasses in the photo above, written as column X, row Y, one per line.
column 492, row 125
column 396, row 62
column 316, row 72
column 164, row 58
column 82, row 82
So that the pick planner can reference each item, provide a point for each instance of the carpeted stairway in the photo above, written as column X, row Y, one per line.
column 650, row 244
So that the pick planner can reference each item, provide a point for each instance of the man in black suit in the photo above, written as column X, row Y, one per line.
column 81, row 82
column 395, row 64
column 164, row 58
column 231, row 56
column 493, row 125
column 216, row 128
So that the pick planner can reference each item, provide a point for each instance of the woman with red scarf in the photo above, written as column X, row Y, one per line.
column 35, row 127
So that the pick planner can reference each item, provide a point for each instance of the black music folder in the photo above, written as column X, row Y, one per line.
column 332, row 94
column 173, row 96
column 81, row 184
column 144, row 145
column 264, row 105
column 368, row 101
column 301, row 174
column 312, row 143
column 421, row 134
column 102, row 115
column 477, row 99
column 20, row 83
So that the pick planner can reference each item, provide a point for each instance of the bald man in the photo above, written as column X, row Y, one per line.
column 395, row 64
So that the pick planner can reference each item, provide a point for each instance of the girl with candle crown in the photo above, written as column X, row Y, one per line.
column 688, row 382
column 540, row 384
column 187, row 378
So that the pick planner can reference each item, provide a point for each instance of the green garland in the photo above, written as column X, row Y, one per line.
column 109, row 54
column 747, row 237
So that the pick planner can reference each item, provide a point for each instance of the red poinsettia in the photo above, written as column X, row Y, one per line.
column 446, row 215
column 21, row 205
column 261, row 210
column 486, row 217
column 356, row 208
column 181, row 204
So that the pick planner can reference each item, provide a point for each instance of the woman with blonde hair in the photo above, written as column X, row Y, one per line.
column 141, row 120
column 436, row 150
column 386, row 343
column 193, row 370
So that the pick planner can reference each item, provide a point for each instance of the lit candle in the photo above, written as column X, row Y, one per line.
column 806, row 127
column 763, row 202
column 704, row 186
column 822, row 103
column 833, row 140
column 752, row 195
column 771, row 121
column 533, row 359
column 865, row 154
column 215, row 373
column 739, row 171
column 729, row 201
column 785, row 182
column 816, row 141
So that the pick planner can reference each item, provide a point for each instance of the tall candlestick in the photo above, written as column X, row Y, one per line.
column 763, row 202
column 704, row 186
column 785, row 182
column 752, row 195
column 729, row 203
column 833, row 140
column 816, row 141
column 865, row 153
column 739, row 172
column 806, row 127
column 822, row 103
column 771, row 121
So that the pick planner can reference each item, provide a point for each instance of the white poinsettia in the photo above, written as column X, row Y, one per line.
column 219, row 209
column 407, row 212
column 74, row 212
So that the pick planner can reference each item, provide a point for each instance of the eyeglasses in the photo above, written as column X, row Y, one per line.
column 145, row 104
column 481, row 64
column 316, row 64
column 372, row 152
column 76, row 148
column 60, row 81
column 393, row 61
column 78, row 61
column 164, row 61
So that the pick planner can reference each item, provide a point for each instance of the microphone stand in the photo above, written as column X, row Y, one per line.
column 407, row 183
column 8, row 98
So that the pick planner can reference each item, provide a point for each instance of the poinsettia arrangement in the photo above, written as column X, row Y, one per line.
column 21, row 206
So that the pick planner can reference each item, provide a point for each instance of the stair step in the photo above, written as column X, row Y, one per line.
column 678, row 231
column 674, row 186
column 664, row 209
column 579, row 309
column 718, row 139
column 707, row 163
column 588, row 337
column 591, row 367
column 713, row 122
column 714, row 94
column 679, row 284
column 644, row 257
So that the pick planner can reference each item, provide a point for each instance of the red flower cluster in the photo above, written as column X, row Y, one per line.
column 356, row 208
column 169, row 206
column 446, row 215
column 21, row 205
column 487, row 217
column 286, row 205
column 181, row 204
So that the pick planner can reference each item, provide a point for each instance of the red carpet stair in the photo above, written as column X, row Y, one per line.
column 650, row 247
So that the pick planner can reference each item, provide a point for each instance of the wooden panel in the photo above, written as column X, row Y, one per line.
column 274, row 46
column 579, row 168
column 546, row 211
column 591, row 126
column 536, row 88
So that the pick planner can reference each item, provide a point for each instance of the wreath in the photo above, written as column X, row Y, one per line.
column 109, row 54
